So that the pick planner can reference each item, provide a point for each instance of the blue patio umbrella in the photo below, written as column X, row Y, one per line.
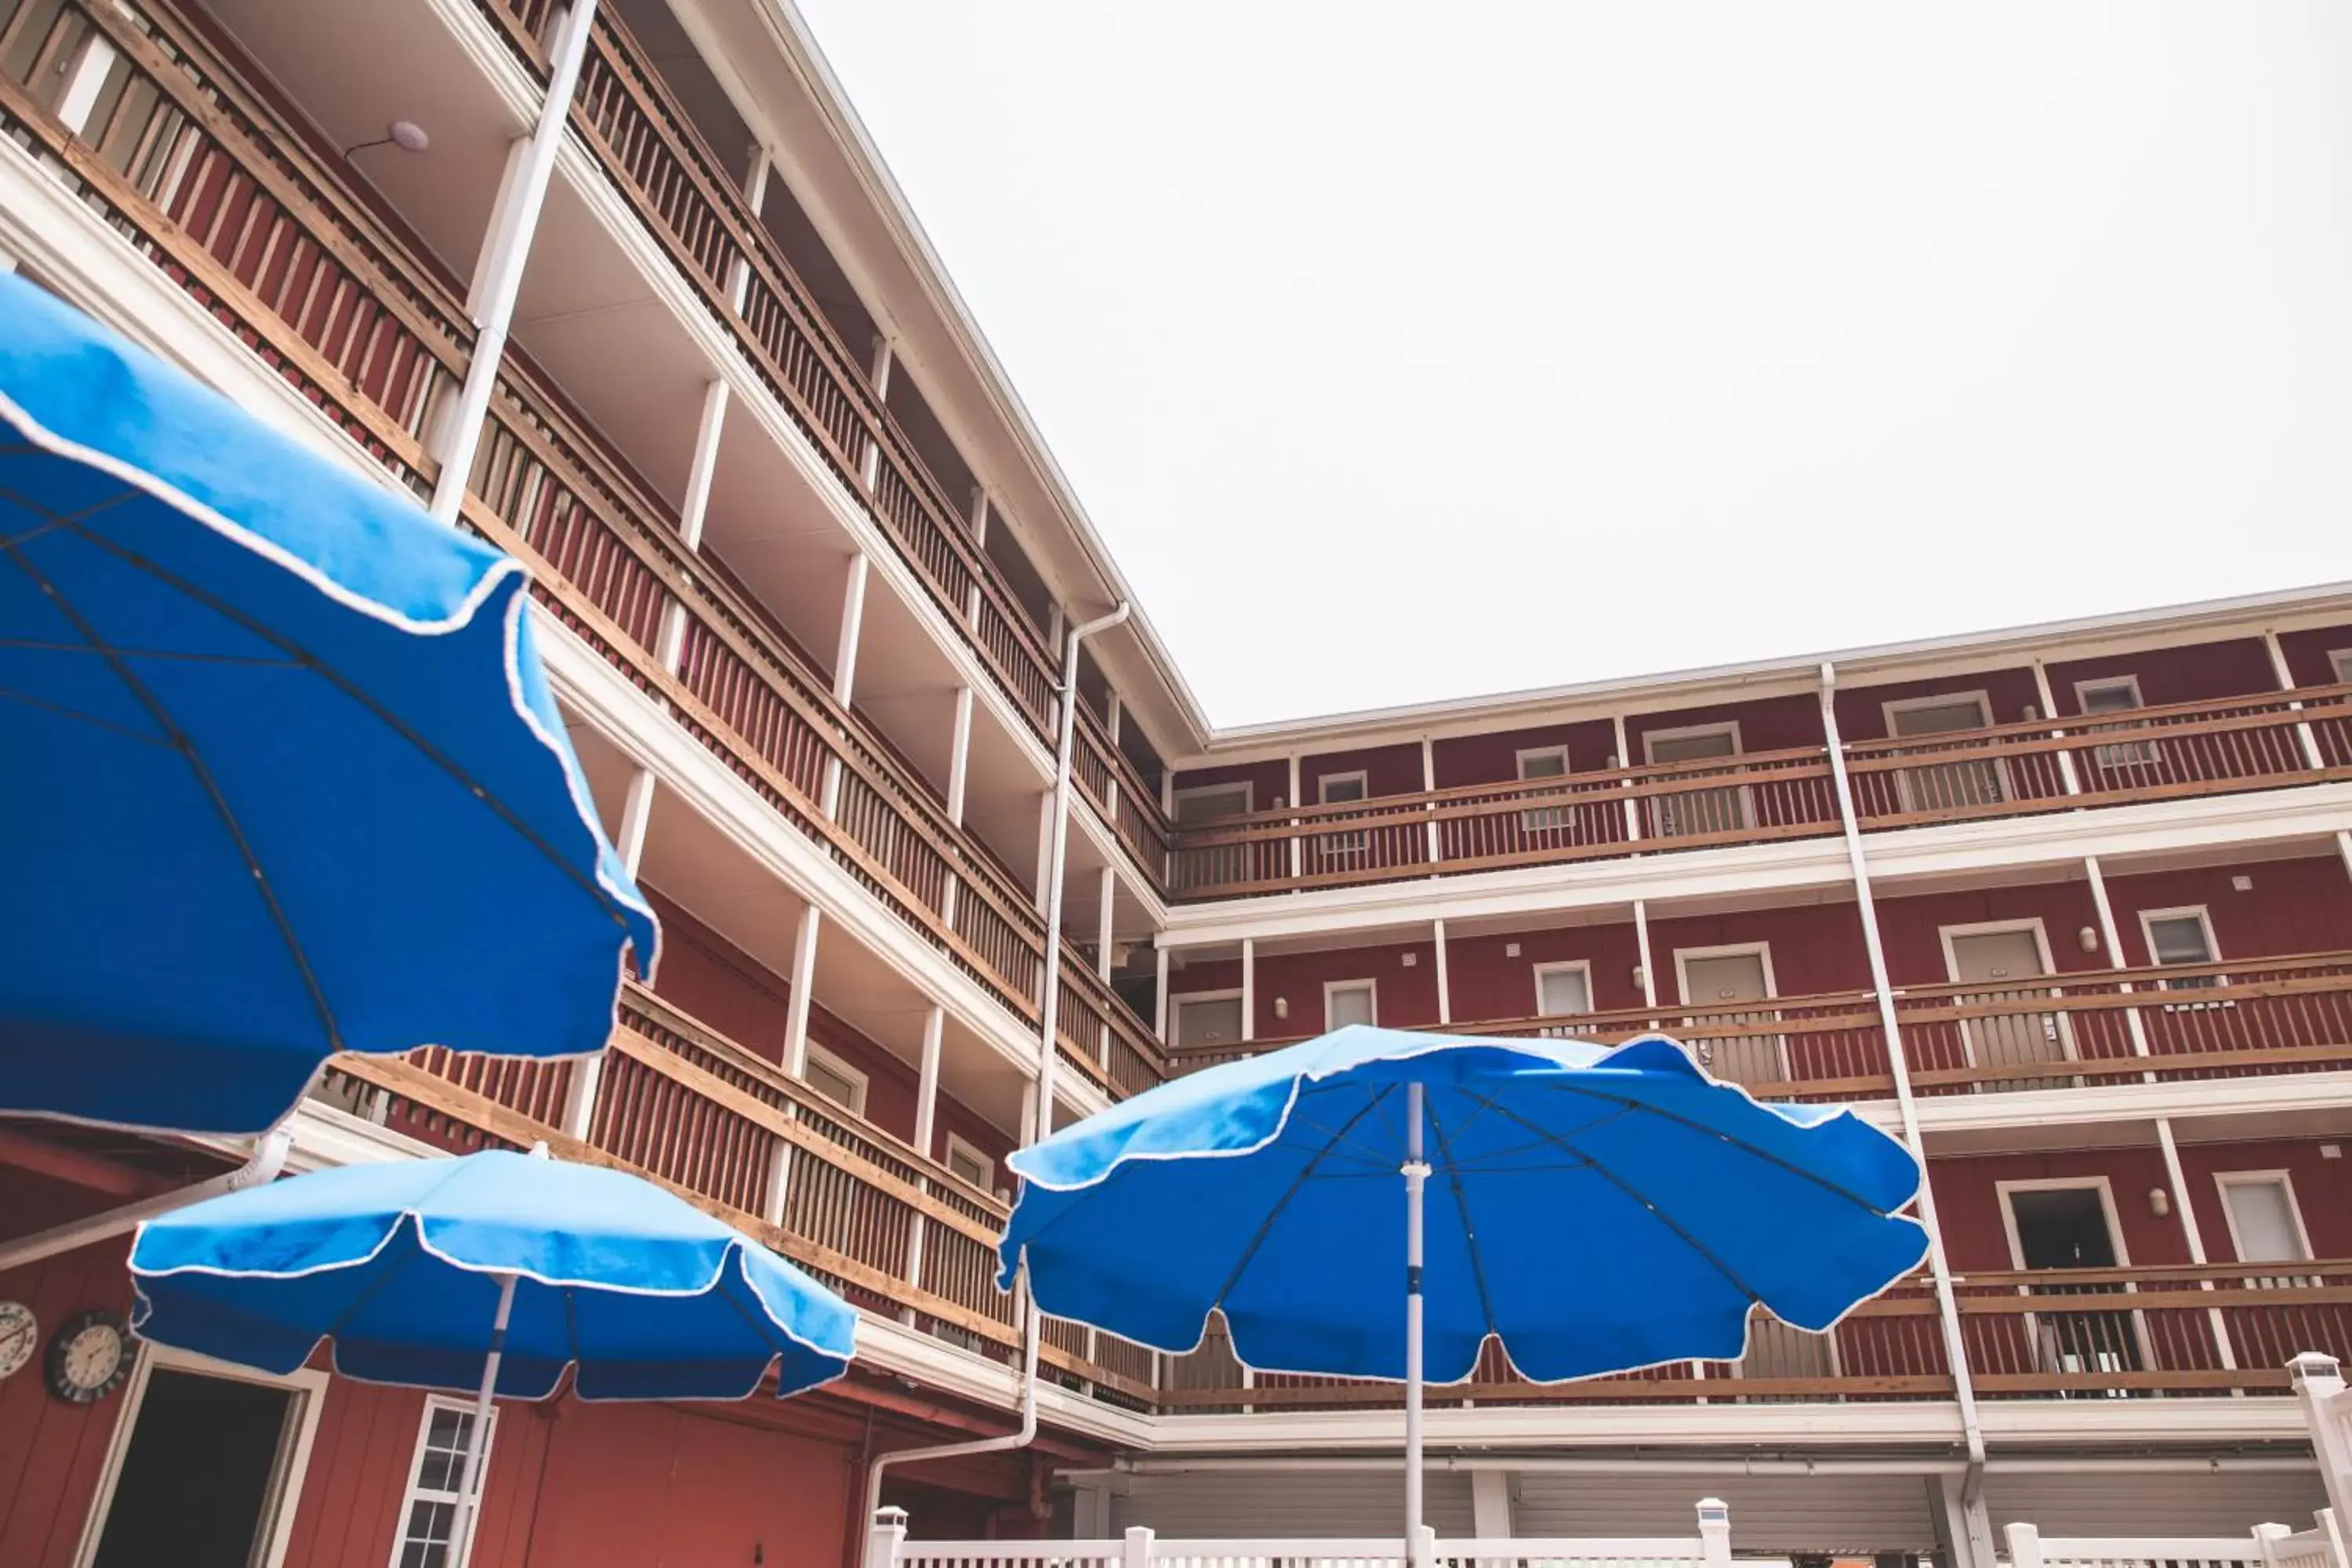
column 279, row 770
column 490, row 1275
column 1594, row 1210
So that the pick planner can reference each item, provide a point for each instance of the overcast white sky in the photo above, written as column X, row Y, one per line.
column 1405, row 351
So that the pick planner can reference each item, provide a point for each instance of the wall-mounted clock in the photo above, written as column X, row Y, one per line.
column 89, row 1358
column 20, row 1336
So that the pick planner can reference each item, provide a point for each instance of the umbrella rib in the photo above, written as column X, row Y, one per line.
column 128, row 733
column 39, row 647
column 310, row 661
column 1741, row 1144
column 180, row 741
column 1266, row 1225
column 1648, row 1203
column 1462, row 1207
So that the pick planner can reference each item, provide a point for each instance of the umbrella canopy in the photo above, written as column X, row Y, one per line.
column 283, row 774
column 404, row 1265
column 1594, row 1210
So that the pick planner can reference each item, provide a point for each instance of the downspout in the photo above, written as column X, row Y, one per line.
column 1947, row 1304
column 260, row 1168
column 1049, row 995
column 514, row 223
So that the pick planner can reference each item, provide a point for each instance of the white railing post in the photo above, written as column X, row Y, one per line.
column 2319, row 1387
column 2267, row 1538
column 1714, row 1532
column 1424, row 1547
column 2339, row 1554
column 1135, row 1551
column 2024, row 1546
column 886, row 1537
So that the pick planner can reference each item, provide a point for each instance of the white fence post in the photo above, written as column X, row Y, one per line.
column 2266, row 1541
column 1714, row 1532
column 2024, row 1546
column 1424, row 1547
column 889, row 1534
column 1136, row 1553
column 2339, row 1554
column 2319, row 1386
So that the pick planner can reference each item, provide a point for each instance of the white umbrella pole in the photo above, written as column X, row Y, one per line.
column 1416, row 1172
column 469, row 1478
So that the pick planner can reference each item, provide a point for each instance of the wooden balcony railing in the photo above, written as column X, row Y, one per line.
column 2250, row 1018
column 2193, row 749
column 681, row 1103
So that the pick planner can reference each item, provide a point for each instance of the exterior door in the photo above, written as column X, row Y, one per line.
column 1720, row 809
column 1947, row 786
column 2065, row 1228
column 1731, row 978
column 1776, row 1349
column 2006, row 963
column 1352, row 1003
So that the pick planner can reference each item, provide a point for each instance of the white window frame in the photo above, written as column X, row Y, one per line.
column 413, row 1494
column 1334, row 845
column 2129, row 754
column 1660, row 807
column 1248, row 788
column 2106, row 1187
column 293, row 1458
column 2147, row 918
column 1565, row 966
column 2224, row 1180
column 954, row 1146
column 833, row 1062
column 2339, row 660
column 1892, row 706
column 1178, row 1000
column 1542, row 818
column 1331, row 987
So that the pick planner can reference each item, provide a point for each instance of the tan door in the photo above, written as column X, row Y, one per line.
column 1777, row 1351
column 2006, row 962
column 1732, row 978
column 1948, row 787
column 1722, row 809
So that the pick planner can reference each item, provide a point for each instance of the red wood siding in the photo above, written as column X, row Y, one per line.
column 1407, row 997
column 2294, row 906
column 1816, row 948
column 1494, row 758
column 1969, row 1204
column 2198, row 673
column 1862, row 711
column 2306, row 653
column 2323, row 1190
column 361, row 1462
column 1387, row 770
column 1910, row 928
column 1483, row 982
column 1767, row 724
column 1268, row 781
column 51, row 1452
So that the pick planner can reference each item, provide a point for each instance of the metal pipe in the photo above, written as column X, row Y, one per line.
column 1019, row 1437
column 260, row 1168
column 1416, row 1177
column 469, row 1480
column 2226, row 1464
column 515, row 222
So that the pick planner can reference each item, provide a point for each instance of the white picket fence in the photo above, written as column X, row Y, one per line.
column 2268, row 1546
column 1710, row 1547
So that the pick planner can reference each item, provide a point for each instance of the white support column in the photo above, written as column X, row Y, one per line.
column 887, row 1533
column 1642, row 945
column 2194, row 1234
column 980, row 543
column 692, row 513
column 1297, row 860
column 1111, row 729
column 927, row 1083
column 1159, row 1004
column 2049, row 711
column 755, row 192
column 637, row 811
column 2113, row 941
column 2312, row 757
column 1444, row 995
column 1429, row 786
column 1490, row 1504
column 870, row 466
column 1249, row 989
column 2344, row 848
column 797, row 1003
column 85, row 77
column 1633, row 803
column 1104, row 923
column 498, row 273
column 853, row 625
column 1045, row 849
column 960, row 756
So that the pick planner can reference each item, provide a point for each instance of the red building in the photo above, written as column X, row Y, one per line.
column 2069, row 908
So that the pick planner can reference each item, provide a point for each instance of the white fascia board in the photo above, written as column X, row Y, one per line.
column 726, row 363
column 2081, row 1422
column 943, row 1368
column 2182, row 1099
column 1538, row 1426
column 2196, row 821
column 626, row 716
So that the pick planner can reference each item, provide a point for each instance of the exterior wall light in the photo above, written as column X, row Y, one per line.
column 2160, row 1202
column 2088, row 938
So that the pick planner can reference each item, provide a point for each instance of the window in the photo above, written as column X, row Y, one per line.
column 2340, row 661
column 1544, row 763
column 1340, row 789
column 2120, row 694
column 429, row 1511
column 2181, row 937
column 2265, row 1225
column 966, row 1162
column 1562, row 989
column 1207, row 803
column 1347, row 1002
column 835, row 1079
column 1209, row 1018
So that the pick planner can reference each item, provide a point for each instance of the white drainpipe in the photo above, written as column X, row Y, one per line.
column 260, row 1168
column 1049, row 995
